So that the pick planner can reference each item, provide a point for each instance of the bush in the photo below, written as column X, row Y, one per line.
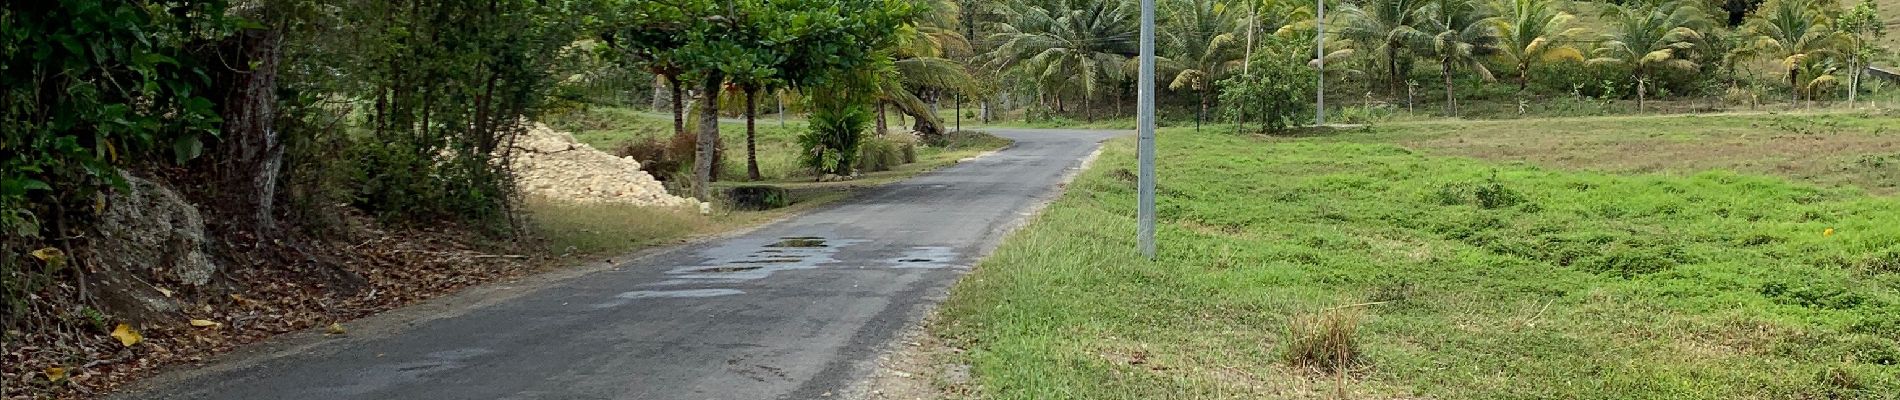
column 758, row 197
column 1276, row 92
column 881, row 154
column 661, row 159
column 831, row 144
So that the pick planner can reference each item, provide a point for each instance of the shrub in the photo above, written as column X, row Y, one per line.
column 831, row 144
column 1275, row 93
column 880, row 154
column 758, row 197
column 658, row 158
column 1325, row 341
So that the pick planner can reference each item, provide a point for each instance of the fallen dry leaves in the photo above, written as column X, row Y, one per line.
column 277, row 288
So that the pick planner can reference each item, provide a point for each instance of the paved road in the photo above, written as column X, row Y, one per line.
column 793, row 310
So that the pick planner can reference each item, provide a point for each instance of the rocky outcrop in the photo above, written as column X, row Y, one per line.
column 148, row 243
column 552, row 165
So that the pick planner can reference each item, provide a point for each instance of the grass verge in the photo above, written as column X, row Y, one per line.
column 1470, row 278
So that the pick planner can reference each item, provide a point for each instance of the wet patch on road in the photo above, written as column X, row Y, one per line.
column 742, row 260
column 628, row 297
column 926, row 257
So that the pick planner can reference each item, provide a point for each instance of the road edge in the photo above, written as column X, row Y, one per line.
column 913, row 343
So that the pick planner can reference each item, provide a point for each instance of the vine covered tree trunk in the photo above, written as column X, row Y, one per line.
column 751, row 145
column 703, row 160
column 252, row 153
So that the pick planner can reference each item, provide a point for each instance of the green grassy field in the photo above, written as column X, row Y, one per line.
column 1547, row 271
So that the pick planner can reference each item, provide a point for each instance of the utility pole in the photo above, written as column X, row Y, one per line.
column 1320, row 112
column 1145, row 121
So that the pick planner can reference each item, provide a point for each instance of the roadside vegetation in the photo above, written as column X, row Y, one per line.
column 1386, row 263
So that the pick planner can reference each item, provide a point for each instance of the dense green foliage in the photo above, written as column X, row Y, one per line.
column 89, row 86
column 1274, row 92
column 1485, row 276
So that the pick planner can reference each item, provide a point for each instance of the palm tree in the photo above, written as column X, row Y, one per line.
column 1388, row 27
column 1201, row 35
column 1647, row 38
column 1793, row 31
column 1461, row 39
column 1068, row 46
column 1531, row 31
column 919, row 63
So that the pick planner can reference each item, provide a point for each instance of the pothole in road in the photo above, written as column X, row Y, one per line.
column 799, row 241
column 915, row 260
column 727, row 269
column 770, row 261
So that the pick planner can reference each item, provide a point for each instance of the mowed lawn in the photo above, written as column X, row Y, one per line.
column 1528, row 262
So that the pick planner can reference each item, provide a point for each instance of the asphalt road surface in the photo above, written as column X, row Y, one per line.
column 793, row 310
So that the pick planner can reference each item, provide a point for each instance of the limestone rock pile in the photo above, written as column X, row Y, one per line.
column 552, row 165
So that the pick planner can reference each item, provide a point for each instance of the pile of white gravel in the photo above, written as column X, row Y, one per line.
column 552, row 165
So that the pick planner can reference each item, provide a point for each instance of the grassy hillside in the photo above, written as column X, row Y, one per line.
column 1457, row 272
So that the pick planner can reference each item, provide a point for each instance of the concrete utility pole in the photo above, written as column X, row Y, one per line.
column 1320, row 112
column 1145, row 121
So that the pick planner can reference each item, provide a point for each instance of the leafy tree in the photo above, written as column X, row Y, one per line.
column 1275, row 87
column 1201, row 34
column 1065, row 44
column 650, row 35
column 1461, row 39
column 1862, row 28
column 1648, row 38
column 1531, row 31
column 1389, row 28
column 1793, row 31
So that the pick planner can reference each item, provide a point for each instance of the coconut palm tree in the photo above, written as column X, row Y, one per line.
column 1531, row 31
column 1648, row 38
column 920, row 63
column 1068, row 44
column 1201, row 36
column 1792, row 31
column 1386, row 28
column 1461, row 37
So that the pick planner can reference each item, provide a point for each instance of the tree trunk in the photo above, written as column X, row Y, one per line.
column 660, row 93
column 252, row 152
column 1392, row 67
column 1088, row 114
column 679, row 106
column 1202, row 115
column 1853, row 80
column 1641, row 86
column 882, row 126
column 751, row 131
column 703, row 160
column 1451, row 100
column 1794, row 86
column 1523, row 76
